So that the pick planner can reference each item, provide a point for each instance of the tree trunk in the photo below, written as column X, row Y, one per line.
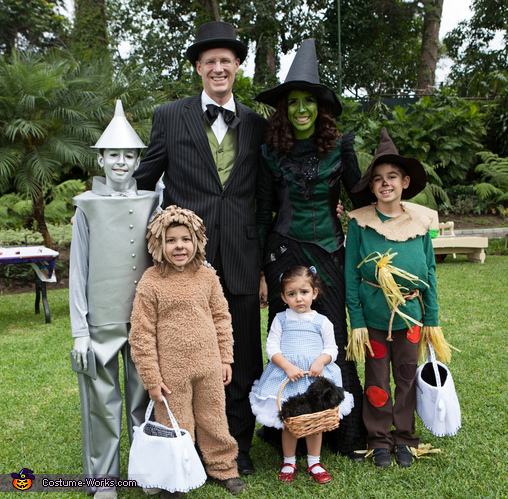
column 90, row 31
column 429, row 50
column 38, row 212
column 266, row 61
column 216, row 11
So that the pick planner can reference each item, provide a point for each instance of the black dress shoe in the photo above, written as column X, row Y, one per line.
column 245, row 465
column 357, row 457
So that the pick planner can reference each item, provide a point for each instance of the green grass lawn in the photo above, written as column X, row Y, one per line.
column 40, row 411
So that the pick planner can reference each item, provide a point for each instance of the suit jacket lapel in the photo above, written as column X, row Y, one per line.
column 244, row 136
column 194, row 121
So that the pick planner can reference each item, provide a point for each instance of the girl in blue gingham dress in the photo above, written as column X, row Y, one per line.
column 299, row 340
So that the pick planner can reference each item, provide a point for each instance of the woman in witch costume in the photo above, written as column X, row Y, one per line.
column 304, row 160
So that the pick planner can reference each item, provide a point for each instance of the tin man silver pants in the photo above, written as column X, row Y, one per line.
column 101, row 429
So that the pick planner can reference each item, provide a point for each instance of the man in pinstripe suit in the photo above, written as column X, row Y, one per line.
column 209, row 157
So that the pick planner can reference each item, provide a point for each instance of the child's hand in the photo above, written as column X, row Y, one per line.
column 294, row 373
column 316, row 369
column 227, row 374
column 155, row 393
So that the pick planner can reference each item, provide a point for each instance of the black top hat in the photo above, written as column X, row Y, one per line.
column 303, row 75
column 216, row 34
column 387, row 153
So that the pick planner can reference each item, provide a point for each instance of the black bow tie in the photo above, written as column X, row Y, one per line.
column 212, row 111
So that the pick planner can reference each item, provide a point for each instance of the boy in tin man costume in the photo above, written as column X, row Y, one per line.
column 108, row 257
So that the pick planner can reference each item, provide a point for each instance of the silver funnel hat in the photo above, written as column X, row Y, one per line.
column 119, row 134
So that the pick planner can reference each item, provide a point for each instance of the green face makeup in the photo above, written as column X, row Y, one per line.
column 302, row 113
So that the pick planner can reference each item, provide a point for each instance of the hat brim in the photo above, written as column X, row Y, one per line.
column 414, row 170
column 236, row 45
column 325, row 96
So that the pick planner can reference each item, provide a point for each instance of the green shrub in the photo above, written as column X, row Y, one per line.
column 493, row 172
column 61, row 235
column 497, row 247
column 15, row 211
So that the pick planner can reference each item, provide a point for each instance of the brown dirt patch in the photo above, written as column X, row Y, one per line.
column 463, row 222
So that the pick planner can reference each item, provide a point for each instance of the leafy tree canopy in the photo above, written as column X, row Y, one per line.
column 380, row 38
column 31, row 24
column 381, row 42
column 476, row 65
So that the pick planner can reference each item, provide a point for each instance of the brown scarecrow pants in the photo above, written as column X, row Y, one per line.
column 380, row 412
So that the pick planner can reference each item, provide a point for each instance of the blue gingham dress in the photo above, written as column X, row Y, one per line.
column 301, row 343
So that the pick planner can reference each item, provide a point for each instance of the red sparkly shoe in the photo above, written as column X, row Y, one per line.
column 287, row 477
column 321, row 477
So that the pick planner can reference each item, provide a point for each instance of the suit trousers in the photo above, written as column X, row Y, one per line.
column 380, row 412
column 248, row 361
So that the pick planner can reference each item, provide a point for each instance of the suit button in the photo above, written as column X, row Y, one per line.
column 131, row 226
column 217, row 226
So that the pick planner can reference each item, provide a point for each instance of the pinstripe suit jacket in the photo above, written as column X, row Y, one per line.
column 179, row 148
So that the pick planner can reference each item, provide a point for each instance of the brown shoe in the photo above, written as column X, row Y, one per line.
column 170, row 495
column 233, row 485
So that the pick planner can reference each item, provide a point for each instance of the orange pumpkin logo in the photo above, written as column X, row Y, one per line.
column 23, row 479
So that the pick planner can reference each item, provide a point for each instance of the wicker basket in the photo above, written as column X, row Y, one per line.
column 310, row 424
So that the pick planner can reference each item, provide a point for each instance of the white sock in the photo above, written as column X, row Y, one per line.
column 311, row 461
column 289, row 460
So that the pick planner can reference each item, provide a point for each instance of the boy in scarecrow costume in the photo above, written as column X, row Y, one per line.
column 108, row 257
column 391, row 298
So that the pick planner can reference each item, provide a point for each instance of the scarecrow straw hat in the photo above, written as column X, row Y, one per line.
column 387, row 153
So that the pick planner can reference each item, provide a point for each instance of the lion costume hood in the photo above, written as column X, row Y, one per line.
column 157, row 236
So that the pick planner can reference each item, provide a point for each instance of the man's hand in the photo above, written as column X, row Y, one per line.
column 263, row 292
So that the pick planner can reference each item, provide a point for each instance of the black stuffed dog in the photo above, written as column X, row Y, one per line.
column 322, row 394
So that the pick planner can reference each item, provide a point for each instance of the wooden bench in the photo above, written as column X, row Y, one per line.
column 447, row 243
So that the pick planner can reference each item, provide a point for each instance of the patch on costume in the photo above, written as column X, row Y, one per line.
column 413, row 334
column 377, row 396
column 407, row 371
column 378, row 349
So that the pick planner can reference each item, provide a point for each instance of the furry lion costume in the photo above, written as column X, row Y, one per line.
column 181, row 335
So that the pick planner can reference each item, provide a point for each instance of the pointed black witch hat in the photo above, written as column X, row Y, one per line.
column 303, row 75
